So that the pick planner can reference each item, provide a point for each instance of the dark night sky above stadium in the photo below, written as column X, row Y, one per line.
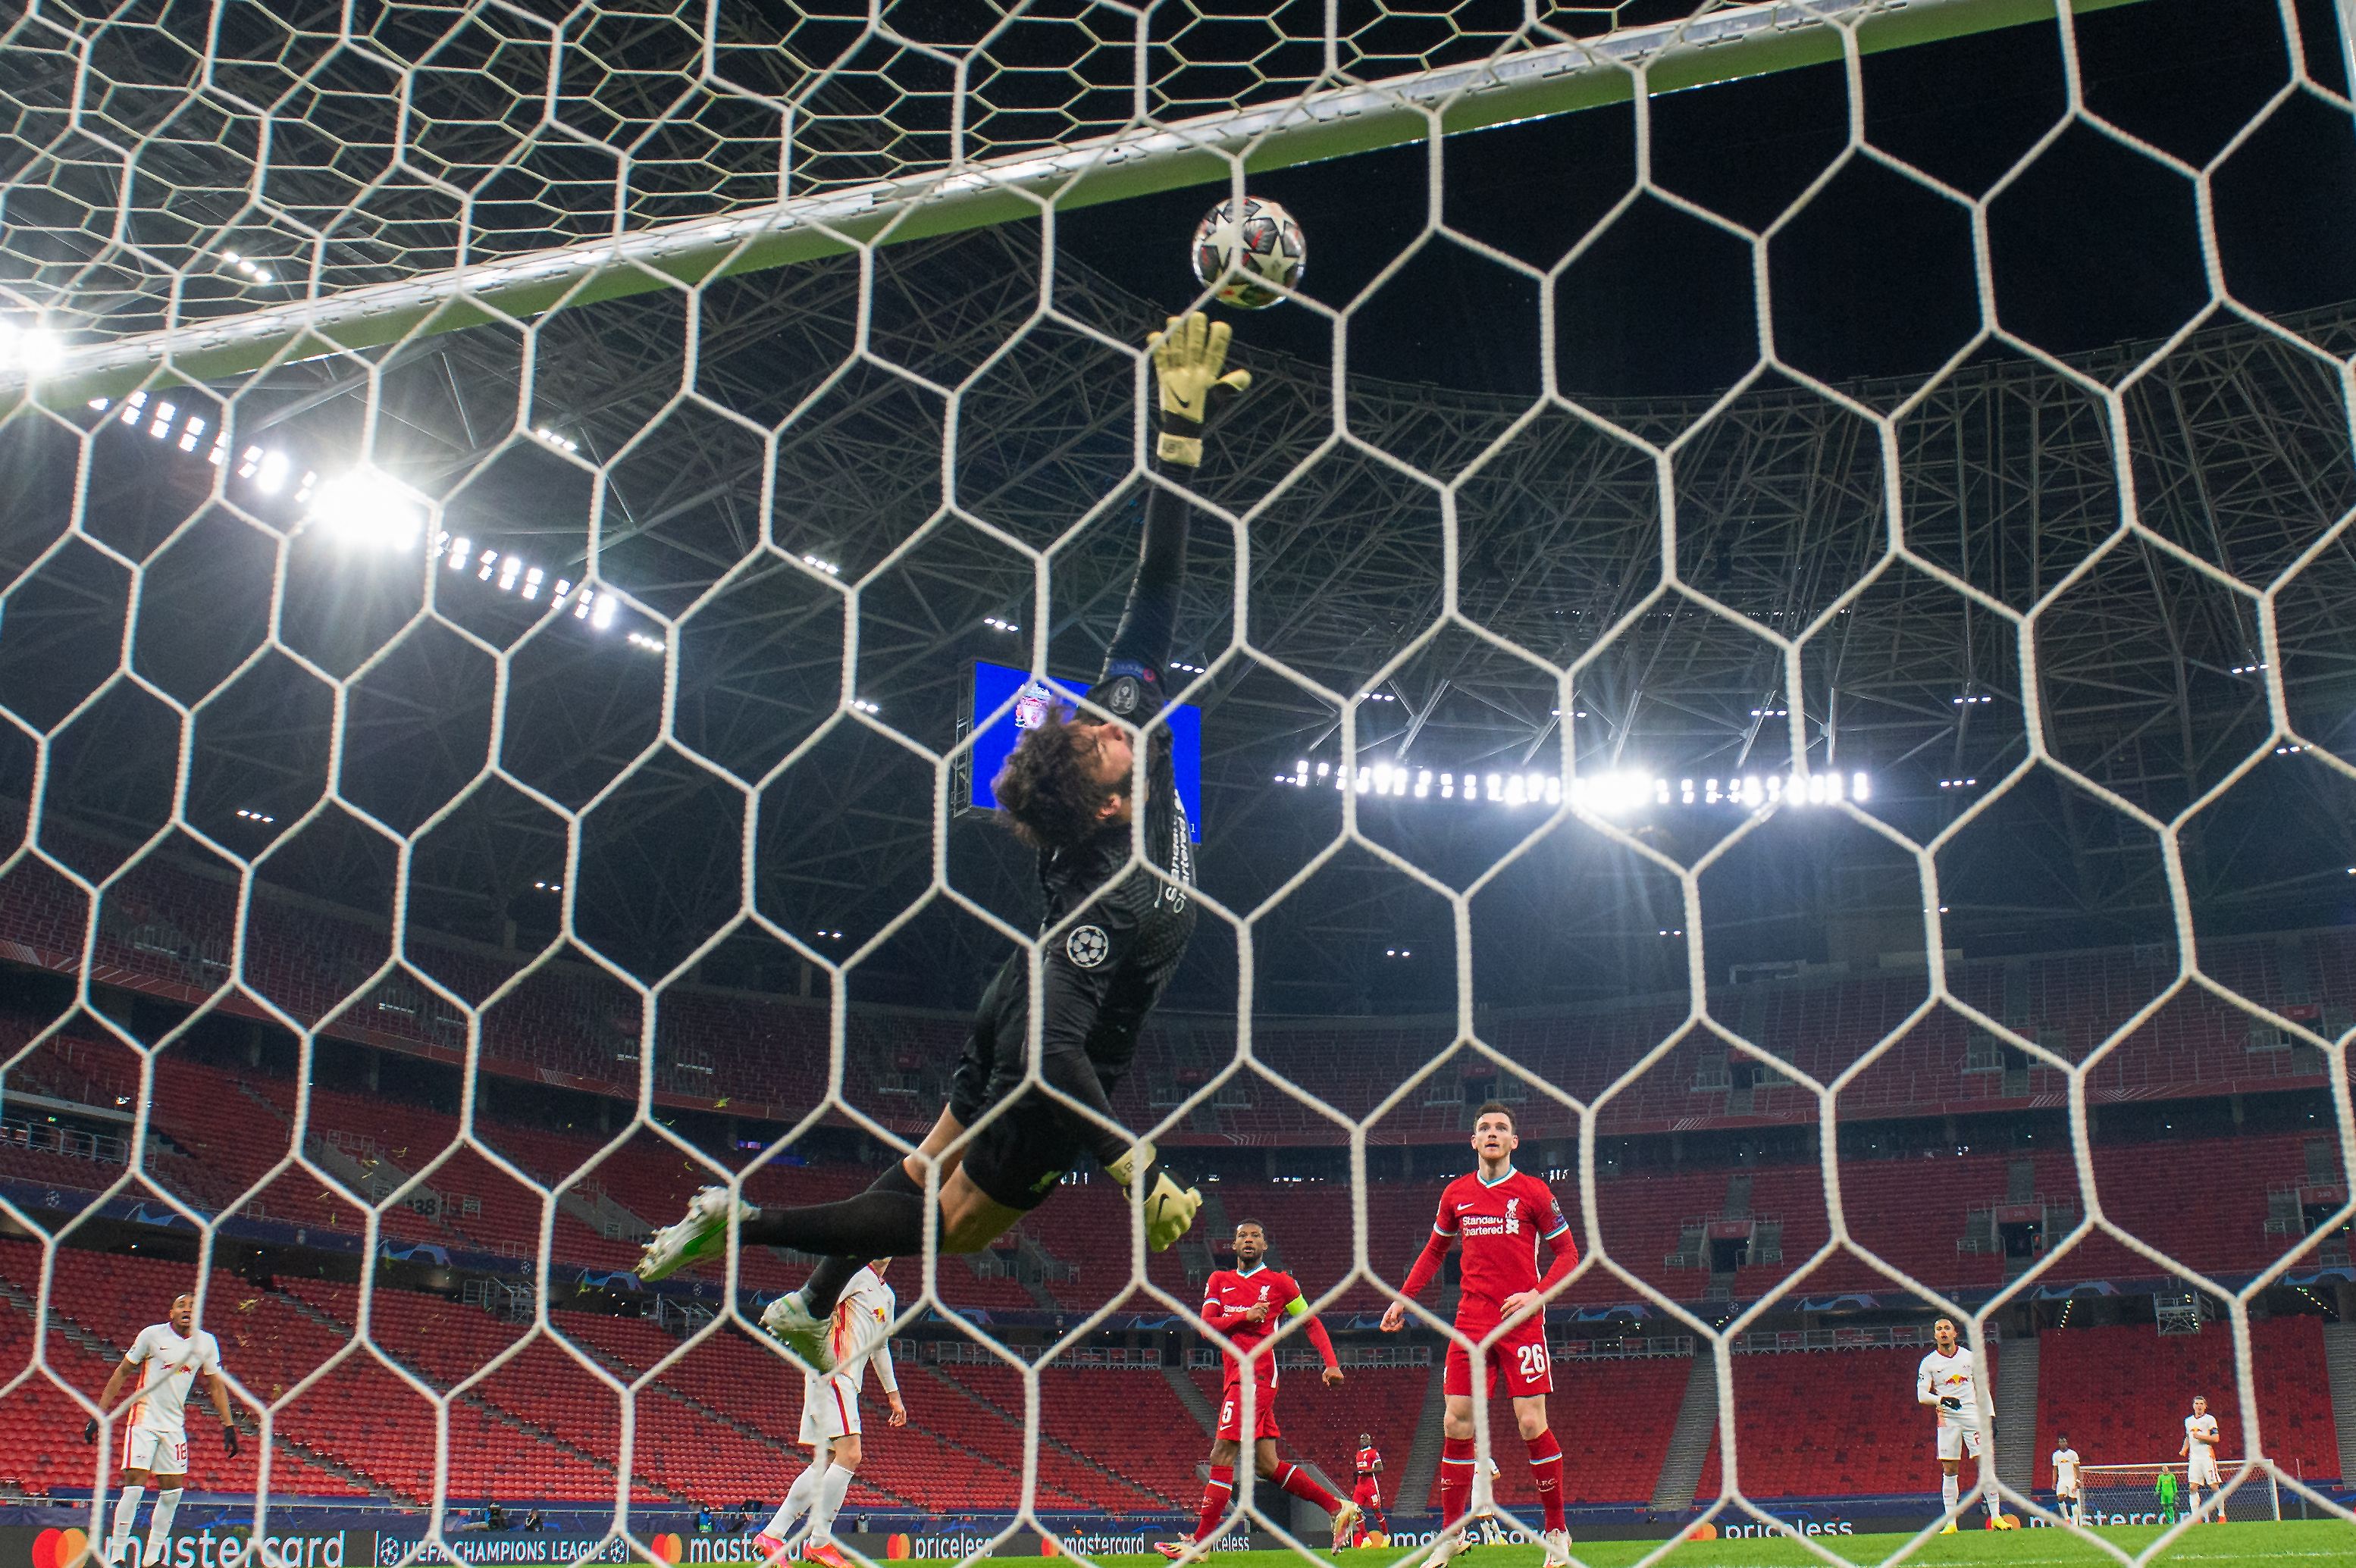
column 2094, row 246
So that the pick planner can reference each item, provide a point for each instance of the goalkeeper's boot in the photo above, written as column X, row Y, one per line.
column 1345, row 1520
column 702, row 1234
column 769, row 1551
column 824, row 1553
column 1558, row 1548
column 811, row 1339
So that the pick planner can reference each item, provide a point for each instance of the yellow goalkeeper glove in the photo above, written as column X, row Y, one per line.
column 1169, row 1212
column 1189, row 357
column 1169, row 1208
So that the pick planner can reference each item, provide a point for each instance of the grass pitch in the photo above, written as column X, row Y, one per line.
column 2322, row 1543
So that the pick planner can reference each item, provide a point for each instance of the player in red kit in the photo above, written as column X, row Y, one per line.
column 1248, row 1303
column 1504, row 1218
column 1369, row 1493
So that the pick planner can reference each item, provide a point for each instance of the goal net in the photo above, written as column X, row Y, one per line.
column 2132, row 1494
column 1779, row 605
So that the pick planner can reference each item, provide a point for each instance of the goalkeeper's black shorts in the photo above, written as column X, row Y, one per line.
column 1018, row 1159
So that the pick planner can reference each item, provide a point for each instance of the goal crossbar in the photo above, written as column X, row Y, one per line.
column 1723, row 45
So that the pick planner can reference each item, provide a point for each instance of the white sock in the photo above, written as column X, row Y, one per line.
column 159, row 1527
column 126, row 1511
column 1994, row 1505
column 1950, row 1488
column 830, row 1493
column 798, row 1498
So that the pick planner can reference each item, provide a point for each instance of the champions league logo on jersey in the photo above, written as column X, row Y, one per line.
column 1088, row 947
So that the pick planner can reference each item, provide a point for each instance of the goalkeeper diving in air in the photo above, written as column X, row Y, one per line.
column 1111, row 941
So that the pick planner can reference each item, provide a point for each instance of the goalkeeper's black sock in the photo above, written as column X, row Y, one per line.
column 887, row 1221
column 823, row 1290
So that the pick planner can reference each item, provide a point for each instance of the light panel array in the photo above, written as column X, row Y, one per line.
column 364, row 507
column 1606, row 793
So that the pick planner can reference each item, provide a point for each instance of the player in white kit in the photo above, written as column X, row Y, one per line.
column 2067, row 1491
column 1948, row 1381
column 2199, row 1449
column 861, row 1334
column 161, row 1365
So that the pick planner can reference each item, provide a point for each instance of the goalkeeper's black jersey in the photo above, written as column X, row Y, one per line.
column 1127, row 940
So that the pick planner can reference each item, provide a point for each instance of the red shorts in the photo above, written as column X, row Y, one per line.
column 1368, row 1493
column 1518, row 1358
column 1231, row 1412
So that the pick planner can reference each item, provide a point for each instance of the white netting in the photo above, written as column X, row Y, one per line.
column 449, row 616
column 2131, row 1494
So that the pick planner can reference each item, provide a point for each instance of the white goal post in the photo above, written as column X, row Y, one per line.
column 2130, row 1494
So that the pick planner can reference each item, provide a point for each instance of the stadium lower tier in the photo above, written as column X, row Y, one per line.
column 1963, row 1222
column 523, row 1414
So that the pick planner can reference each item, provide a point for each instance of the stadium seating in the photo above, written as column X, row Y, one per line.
column 1636, row 1401
column 2122, row 1392
column 718, row 1424
column 166, row 929
column 1823, row 1425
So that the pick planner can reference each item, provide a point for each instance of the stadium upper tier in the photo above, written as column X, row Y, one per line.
column 166, row 929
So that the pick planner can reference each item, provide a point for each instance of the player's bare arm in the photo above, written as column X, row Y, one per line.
column 217, row 1387
column 110, row 1398
column 899, row 1416
column 1426, row 1264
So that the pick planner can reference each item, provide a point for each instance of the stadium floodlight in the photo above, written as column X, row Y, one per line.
column 365, row 508
column 32, row 350
column 253, row 271
column 829, row 568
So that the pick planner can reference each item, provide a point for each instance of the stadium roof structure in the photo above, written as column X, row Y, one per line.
column 809, row 416
column 2008, row 471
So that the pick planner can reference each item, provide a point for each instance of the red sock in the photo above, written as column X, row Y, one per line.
column 1292, row 1478
column 1455, row 1480
column 1546, row 1469
column 1215, row 1499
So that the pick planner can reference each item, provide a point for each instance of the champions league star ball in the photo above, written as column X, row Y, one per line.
column 1244, row 252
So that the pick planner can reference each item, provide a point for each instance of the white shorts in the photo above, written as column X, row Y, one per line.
column 161, row 1453
column 829, row 1408
column 2202, row 1471
column 1958, row 1438
column 2069, row 1492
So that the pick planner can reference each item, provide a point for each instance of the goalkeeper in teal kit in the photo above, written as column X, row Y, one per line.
column 1112, row 940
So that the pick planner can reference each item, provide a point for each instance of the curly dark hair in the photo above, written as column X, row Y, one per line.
column 1048, row 791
